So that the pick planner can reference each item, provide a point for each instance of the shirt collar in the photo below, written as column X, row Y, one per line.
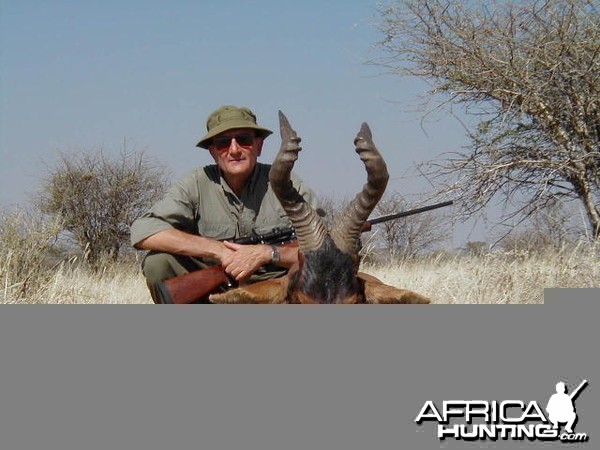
column 250, row 183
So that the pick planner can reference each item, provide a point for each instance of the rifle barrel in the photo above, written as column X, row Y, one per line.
column 409, row 212
column 274, row 236
column 576, row 392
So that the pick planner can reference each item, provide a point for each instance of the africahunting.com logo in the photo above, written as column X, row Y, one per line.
column 472, row 420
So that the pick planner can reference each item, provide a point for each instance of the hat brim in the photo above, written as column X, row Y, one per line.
column 205, row 141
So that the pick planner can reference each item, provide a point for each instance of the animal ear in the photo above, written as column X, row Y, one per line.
column 382, row 293
column 269, row 291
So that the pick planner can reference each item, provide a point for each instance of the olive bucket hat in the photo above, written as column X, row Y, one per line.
column 227, row 118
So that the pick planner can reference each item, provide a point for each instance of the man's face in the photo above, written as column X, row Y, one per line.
column 236, row 152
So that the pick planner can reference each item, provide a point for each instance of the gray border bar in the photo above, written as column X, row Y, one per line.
column 282, row 377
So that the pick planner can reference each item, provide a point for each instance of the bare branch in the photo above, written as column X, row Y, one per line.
column 530, row 72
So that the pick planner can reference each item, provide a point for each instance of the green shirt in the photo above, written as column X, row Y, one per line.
column 203, row 203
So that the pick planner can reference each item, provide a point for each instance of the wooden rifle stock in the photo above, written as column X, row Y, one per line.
column 193, row 286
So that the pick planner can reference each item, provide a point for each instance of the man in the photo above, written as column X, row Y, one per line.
column 192, row 226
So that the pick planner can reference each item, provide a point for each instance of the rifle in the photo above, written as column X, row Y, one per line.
column 195, row 286
column 576, row 392
column 369, row 223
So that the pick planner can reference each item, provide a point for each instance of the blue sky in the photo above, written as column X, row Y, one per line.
column 78, row 75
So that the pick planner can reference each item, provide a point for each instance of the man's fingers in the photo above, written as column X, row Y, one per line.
column 242, row 276
column 232, row 245
column 238, row 273
column 244, row 260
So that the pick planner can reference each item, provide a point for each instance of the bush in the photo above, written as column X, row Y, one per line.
column 97, row 197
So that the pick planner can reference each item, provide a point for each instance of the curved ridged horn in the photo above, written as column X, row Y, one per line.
column 309, row 227
column 348, row 225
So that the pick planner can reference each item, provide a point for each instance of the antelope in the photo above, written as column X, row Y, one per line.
column 327, row 271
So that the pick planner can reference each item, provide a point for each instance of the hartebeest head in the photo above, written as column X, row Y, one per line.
column 328, row 260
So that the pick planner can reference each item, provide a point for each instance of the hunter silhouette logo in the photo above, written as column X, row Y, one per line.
column 508, row 419
column 560, row 406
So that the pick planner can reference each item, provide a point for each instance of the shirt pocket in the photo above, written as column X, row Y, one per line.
column 271, row 215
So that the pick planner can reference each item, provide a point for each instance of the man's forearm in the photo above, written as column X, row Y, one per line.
column 181, row 243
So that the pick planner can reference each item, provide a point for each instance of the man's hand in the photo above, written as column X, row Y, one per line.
column 239, row 261
column 243, row 260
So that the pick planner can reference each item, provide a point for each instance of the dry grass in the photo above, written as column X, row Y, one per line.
column 498, row 277
column 79, row 285
column 25, row 240
column 29, row 272
column 121, row 284
column 490, row 278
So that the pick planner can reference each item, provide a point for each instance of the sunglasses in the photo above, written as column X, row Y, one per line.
column 245, row 140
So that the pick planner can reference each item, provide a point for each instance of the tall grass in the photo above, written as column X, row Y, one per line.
column 517, row 276
column 26, row 241
column 72, row 282
column 29, row 275
column 32, row 269
column 120, row 283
